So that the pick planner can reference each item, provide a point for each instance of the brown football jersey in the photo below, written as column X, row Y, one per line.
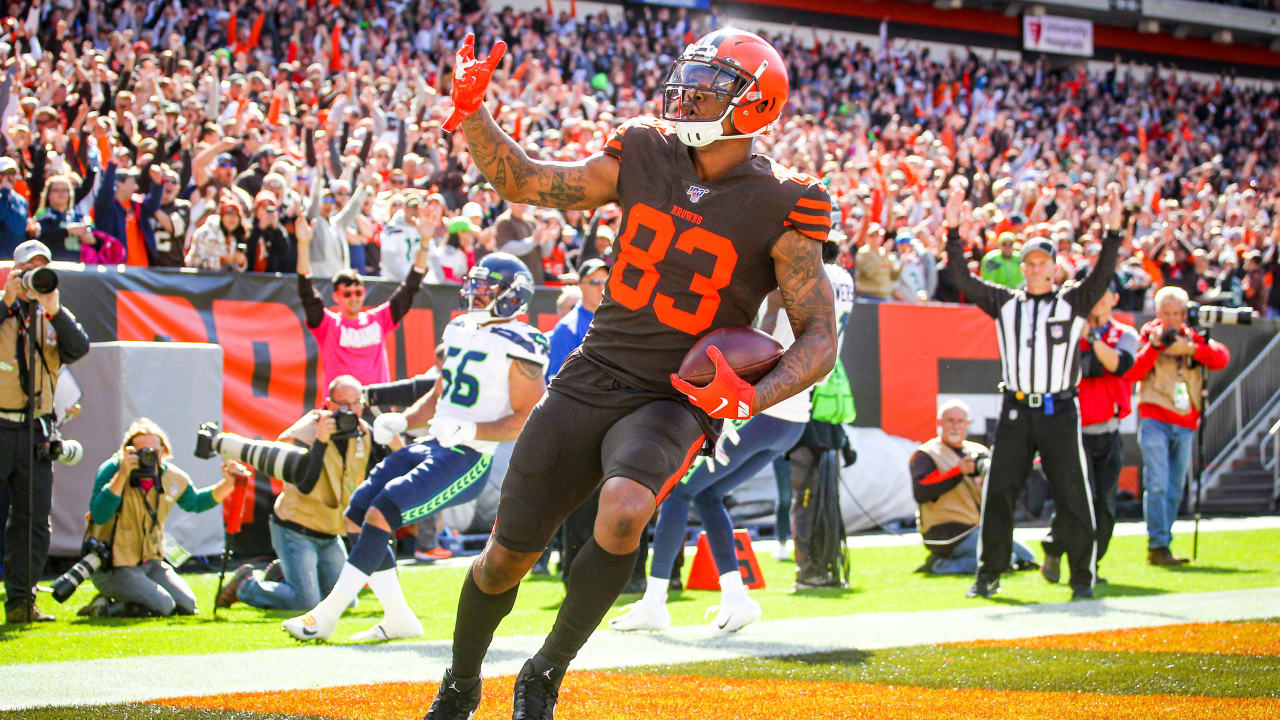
column 691, row 255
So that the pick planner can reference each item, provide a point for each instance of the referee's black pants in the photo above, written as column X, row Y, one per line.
column 1104, row 453
column 1020, row 433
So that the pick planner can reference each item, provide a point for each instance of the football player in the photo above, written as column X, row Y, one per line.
column 708, row 230
column 491, row 378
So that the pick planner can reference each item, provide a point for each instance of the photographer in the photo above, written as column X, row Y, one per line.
column 307, row 522
column 58, row 340
column 946, row 481
column 1167, row 370
column 133, row 493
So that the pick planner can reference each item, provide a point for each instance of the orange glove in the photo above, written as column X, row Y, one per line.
column 470, row 79
column 726, row 396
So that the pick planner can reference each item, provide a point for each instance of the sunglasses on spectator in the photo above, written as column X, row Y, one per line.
column 357, row 292
column 328, row 200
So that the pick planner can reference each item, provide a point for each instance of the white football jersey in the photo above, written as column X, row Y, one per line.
column 475, row 378
column 842, row 287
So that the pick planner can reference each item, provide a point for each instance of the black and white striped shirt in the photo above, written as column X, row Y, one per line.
column 1038, row 334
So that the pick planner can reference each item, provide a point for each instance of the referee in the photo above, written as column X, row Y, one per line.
column 1038, row 330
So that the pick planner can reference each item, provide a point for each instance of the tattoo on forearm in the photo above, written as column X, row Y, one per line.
column 810, row 304
column 516, row 177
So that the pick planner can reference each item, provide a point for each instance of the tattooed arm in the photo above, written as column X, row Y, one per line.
column 527, row 388
column 810, row 304
column 581, row 185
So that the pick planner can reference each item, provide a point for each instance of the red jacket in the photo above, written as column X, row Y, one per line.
column 1211, row 354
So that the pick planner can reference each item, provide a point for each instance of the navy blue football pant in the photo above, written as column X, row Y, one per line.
column 761, row 440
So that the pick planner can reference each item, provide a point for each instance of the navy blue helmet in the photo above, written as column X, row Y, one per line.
column 501, row 285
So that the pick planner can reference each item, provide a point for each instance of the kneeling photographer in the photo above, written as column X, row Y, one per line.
column 37, row 337
column 332, row 452
column 1170, row 372
column 133, row 494
column 946, row 480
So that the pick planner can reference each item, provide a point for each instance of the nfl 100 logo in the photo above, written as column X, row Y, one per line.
column 696, row 193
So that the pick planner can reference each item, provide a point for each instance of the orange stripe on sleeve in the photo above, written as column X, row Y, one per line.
column 813, row 204
column 823, row 220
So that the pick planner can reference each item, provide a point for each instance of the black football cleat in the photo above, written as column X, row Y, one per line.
column 537, row 688
column 1081, row 592
column 457, row 699
column 1051, row 570
column 983, row 588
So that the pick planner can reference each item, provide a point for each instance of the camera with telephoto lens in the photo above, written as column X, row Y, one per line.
column 66, row 451
column 1204, row 315
column 96, row 555
column 273, row 459
column 347, row 425
column 40, row 281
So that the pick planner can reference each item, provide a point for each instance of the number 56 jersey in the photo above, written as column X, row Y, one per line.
column 475, row 379
column 691, row 255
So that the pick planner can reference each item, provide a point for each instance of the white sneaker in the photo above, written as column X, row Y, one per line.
column 309, row 627
column 387, row 630
column 734, row 616
column 642, row 616
column 782, row 552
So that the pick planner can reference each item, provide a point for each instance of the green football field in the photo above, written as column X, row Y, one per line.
column 881, row 581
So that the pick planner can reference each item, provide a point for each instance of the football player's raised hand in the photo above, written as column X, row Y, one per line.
column 471, row 79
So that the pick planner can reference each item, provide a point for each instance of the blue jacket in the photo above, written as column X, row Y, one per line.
column 112, row 219
column 13, row 223
column 567, row 335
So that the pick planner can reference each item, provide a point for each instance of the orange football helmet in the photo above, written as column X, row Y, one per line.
column 734, row 67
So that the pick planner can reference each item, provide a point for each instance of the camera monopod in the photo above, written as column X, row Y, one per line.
column 1204, row 406
column 232, row 517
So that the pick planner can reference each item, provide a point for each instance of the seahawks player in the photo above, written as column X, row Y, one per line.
column 491, row 379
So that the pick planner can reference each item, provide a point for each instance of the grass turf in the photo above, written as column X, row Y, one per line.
column 140, row 712
column 944, row 667
column 881, row 581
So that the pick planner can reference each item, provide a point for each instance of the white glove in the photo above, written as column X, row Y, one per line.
column 449, row 432
column 728, row 435
column 387, row 426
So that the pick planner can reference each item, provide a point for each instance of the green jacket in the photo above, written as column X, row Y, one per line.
column 999, row 269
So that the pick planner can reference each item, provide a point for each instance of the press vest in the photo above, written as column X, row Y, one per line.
column 138, row 538
column 13, row 396
column 322, row 509
column 956, row 512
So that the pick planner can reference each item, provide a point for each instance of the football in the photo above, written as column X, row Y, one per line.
column 750, row 352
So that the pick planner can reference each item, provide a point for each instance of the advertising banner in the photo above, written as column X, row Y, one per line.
column 1056, row 34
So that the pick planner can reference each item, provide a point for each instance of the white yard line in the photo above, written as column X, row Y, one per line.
column 144, row 678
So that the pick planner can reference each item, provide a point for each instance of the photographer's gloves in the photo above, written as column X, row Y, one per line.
column 727, row 396
column 471, row 79
column 388, row 426
column 449, row 432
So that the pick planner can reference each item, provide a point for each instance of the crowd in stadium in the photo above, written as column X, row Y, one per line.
column 219, row 136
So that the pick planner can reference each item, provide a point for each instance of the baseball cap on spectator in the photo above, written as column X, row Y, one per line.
column 1007, row 237
column 436, row 197
column 267, row 151
column 1039, row 245
column 340, row 186
column 266, row 197
column 225, row 160
column 31, row 249
column 461, row 224
column 903, row 239
column 227, row 201
column 605, row 231
column 414, row 200
column 472, row 210
column 7, row 164
column 591, row 266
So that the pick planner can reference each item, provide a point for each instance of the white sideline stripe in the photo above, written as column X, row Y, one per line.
column 143, row 678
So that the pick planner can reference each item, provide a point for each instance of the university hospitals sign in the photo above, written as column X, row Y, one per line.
column 1055, row 34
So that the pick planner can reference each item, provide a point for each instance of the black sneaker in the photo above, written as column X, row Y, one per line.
column 927, row 567
column 537, row 688
column 457, row 699
column 982, row 588
column 1081, row 592
column 1051, row 570
column 274, row 572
